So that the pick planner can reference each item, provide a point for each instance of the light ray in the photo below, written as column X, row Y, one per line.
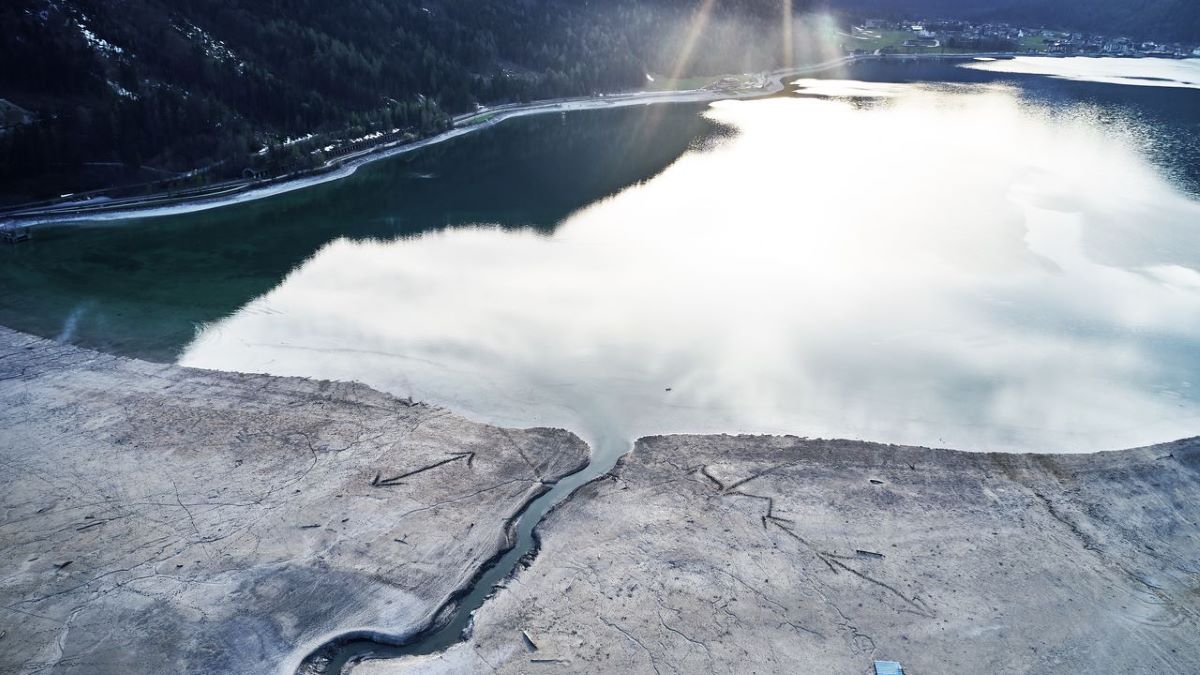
column 695, row 31
column 789, row 49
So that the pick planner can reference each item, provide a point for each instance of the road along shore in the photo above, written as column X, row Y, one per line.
column 238, row 191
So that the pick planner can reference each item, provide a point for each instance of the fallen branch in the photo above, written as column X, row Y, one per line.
column 394, row 480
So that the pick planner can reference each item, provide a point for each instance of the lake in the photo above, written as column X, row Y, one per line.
column 990, row 256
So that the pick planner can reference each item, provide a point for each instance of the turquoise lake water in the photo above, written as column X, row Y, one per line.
column 930, row 254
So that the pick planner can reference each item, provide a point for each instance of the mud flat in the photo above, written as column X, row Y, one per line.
column 777, row 554
column 158, row 519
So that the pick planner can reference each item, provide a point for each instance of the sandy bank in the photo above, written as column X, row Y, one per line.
column 236, row 192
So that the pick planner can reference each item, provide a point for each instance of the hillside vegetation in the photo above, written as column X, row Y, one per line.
column 128, row 90
column 111, row 92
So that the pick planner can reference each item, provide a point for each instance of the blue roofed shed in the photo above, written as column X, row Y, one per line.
column 888, row 668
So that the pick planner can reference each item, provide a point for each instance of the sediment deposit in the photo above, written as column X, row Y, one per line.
column 783, row 555
column 158, row 519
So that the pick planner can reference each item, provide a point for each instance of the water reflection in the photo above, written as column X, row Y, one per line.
column 141, row 287
column 939, row 267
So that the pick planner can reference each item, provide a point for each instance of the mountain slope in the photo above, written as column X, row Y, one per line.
column 135, row 91
column 144, row 87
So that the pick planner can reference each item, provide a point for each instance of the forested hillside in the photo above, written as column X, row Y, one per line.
column 150, row 88
column 101, row 92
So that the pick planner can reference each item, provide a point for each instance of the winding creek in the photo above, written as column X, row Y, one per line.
column 336, row 655
column 1000, row 257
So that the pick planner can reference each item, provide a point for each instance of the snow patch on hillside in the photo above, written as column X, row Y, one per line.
column 213, row 48
column 97, row 43
column 122, row 91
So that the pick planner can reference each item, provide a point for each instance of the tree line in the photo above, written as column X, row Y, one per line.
column 131, row 91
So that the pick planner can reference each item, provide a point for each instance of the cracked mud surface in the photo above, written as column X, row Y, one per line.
column 158, row 519
column 774, row 554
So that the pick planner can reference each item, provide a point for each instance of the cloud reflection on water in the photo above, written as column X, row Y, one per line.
column 944, row 268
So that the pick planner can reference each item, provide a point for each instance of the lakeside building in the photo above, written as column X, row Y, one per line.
column 927, row 34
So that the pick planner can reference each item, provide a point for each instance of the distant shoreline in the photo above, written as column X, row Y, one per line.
column 227, row 193
column 238, row 191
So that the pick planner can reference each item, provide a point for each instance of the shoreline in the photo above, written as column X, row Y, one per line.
column 703, row 551
column 240, row 191
column 227, row 193
column 113, row 393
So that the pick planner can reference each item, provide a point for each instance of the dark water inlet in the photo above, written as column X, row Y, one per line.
column 334, row 656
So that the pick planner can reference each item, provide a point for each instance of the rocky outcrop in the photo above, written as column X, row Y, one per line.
column 775, row 554
column 158, row 519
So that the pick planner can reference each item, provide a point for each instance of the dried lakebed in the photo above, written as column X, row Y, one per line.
column 159, row 519
column 165, row 519
column 774, row 554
